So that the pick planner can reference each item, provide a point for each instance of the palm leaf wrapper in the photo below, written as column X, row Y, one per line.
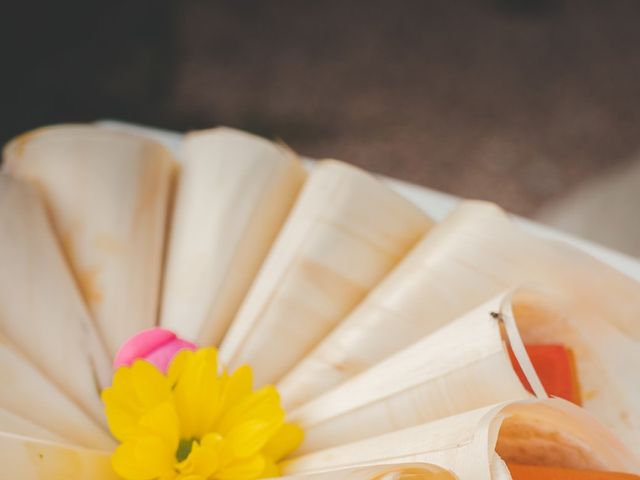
column 320, row 309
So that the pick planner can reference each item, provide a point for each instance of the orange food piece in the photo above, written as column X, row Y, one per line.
column 555, row 366
column 530, row 472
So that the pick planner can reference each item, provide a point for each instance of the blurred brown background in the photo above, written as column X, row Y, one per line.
column 515, row 101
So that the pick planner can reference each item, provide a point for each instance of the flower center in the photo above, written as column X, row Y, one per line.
column 184, row 448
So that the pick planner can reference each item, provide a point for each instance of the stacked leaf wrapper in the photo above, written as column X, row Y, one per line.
column 388, row 336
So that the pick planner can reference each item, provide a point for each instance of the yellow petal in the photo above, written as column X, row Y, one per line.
column 151, row 386
column 212, row 440
column 178, row 364
column 162, row 422
column 249, row 437
column 143, row 458
column 122, row 424
column 285, row 441
column 264, row 403
column 121, row 406
column 207, row 355
column 237, row 386
column 197, row 394
column 270, row 469
column 247, row 469
column 134, row 391
column 202, row 461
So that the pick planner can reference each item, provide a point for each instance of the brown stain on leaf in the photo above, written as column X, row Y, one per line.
column 88, row 283
column 86, row 277
column 109, row 244
column 331, row 284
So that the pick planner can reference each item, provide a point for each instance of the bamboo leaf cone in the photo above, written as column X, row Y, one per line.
column 425, row 331
column 344, row 234
column 476, row 444
column 41, row 311
column 603, row 355
column 462, row 366
column 474, row 254
column 107, row 194
column 234, row 193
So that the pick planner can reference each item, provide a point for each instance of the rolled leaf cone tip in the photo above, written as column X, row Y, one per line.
column 156, row 345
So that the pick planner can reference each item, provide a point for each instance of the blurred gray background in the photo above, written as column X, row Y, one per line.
column 534, row 105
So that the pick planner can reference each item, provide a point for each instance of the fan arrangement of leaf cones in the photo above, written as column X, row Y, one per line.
column 404, row 348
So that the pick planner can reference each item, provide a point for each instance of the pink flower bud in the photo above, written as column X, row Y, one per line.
column 155, row 345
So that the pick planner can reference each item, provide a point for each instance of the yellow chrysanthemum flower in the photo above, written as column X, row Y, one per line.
column 195, row 423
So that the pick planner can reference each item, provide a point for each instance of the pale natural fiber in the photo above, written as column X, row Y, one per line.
column 345, row 233
column 108, row 195
column 474, row 444
column 234, row 193
column 41, row 312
